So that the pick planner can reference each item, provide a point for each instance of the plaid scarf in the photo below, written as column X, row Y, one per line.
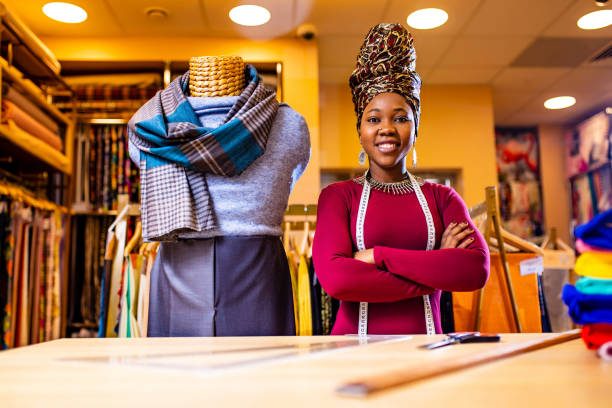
column 176, row 151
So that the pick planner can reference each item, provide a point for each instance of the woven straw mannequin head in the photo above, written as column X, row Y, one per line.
column 216, row 76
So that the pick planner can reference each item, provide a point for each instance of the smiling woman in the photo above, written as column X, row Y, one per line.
column 388, row 243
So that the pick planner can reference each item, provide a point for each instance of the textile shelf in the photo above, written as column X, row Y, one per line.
column 35, row 93
column 31, row 150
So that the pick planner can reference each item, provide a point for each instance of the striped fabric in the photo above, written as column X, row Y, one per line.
column 176, row 152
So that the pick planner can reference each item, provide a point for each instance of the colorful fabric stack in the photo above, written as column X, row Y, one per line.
column 590, row 301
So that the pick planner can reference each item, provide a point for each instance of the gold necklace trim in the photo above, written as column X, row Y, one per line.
column 398, row 187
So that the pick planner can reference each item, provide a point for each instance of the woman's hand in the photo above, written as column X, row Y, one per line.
column 455, row 236
column 366, row 256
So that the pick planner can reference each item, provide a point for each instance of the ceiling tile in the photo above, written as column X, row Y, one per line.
column 566, row 24
column 485, row 50
column 430, row 48
column 184, row 18
column 281, row 22
column 346, row 17
column 515, row 17
column 459, row 12
column 100, row 19
column 591, row 87
column 462, row 75
column 505, row 103
column 559, row 51
column 528, row 79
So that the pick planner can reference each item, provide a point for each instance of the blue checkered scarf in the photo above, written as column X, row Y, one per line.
column 176, row 152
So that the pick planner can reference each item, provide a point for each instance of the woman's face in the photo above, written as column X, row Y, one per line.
column 387, row 131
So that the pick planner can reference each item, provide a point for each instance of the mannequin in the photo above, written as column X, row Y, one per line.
column 216, row 76
column 227, row 273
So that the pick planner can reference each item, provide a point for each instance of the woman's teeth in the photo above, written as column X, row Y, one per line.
column 386, row 147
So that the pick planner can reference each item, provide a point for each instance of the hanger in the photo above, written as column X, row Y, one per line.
column 306, row 240
column 19, row 194
column 129, row 247
column 488, row 227
column 553, row 240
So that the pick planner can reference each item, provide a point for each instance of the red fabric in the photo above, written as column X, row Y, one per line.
column 595, row 335
column 395, row 227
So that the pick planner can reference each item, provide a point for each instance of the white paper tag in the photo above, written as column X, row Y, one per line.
column 531, row 266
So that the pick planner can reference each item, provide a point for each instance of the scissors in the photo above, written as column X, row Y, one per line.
column 465, row 337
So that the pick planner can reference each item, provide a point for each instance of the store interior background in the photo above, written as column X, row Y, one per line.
column 493, row 63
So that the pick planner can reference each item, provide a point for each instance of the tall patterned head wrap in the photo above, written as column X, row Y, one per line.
column 386, row 63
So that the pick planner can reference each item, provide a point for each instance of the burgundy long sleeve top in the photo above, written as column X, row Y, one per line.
column 404, row 271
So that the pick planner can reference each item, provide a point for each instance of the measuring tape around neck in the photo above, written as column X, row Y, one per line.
column 431, row 239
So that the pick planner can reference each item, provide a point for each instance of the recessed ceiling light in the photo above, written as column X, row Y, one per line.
column 560, row 102
column 426, row 19
column 65, row 12
column 249, row 15
column 595, row 20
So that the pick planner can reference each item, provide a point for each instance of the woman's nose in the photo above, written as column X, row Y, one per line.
column 386, row 128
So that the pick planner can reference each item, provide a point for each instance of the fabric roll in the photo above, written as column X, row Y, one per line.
column 583, row 247
column 587, row 309
column 10, row 94
column 595, row 335
column 30, row 125
column 597, row 232
column 594, row 265
column 594, row 286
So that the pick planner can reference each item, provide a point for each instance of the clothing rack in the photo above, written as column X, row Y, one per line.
column 487, row 217
column 32, row 268
column 18, row 193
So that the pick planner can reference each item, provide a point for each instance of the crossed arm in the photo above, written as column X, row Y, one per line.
column 383, row 274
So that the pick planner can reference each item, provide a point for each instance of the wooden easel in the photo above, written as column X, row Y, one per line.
column 497, row 237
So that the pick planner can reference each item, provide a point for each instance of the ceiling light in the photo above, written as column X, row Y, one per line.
column 65, row 12
column 426, row 19
column 249, row 15
column 560, row 102
column 595, row 20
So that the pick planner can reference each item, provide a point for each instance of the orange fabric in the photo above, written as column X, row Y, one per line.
column 496, row 306
column 29, row 124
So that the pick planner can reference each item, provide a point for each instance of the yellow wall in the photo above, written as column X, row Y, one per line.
column 300, row 74
column 555, row 186
column 456, row 131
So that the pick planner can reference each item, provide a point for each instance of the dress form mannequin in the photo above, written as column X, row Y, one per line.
column 216, row 76
column 233, row 280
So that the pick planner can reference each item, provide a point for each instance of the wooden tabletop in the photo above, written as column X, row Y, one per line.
column 292, row 372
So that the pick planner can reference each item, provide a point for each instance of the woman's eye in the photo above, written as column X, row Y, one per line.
column 373, row 120
column 401, row 119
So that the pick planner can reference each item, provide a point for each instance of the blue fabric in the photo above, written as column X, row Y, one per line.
column 587, row 309
column 598, row 231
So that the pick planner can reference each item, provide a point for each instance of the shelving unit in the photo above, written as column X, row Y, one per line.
column 30, row 72
column 35, row 77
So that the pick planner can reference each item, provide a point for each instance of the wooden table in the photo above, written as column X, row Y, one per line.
column 292, row 372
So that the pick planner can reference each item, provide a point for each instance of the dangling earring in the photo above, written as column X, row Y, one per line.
column 414, row 157
column 362, row 157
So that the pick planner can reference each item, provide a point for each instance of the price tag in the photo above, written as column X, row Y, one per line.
column 531, row 266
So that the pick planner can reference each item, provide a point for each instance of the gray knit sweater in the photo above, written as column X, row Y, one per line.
column 254, row 202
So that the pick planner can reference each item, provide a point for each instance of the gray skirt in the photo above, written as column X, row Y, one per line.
column 222, row 286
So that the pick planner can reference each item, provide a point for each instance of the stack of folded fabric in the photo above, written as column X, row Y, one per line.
column 590, row 301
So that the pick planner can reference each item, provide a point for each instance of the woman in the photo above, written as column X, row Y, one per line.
column 387, row 243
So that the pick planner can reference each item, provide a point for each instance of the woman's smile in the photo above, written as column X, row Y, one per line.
column 388, row 147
